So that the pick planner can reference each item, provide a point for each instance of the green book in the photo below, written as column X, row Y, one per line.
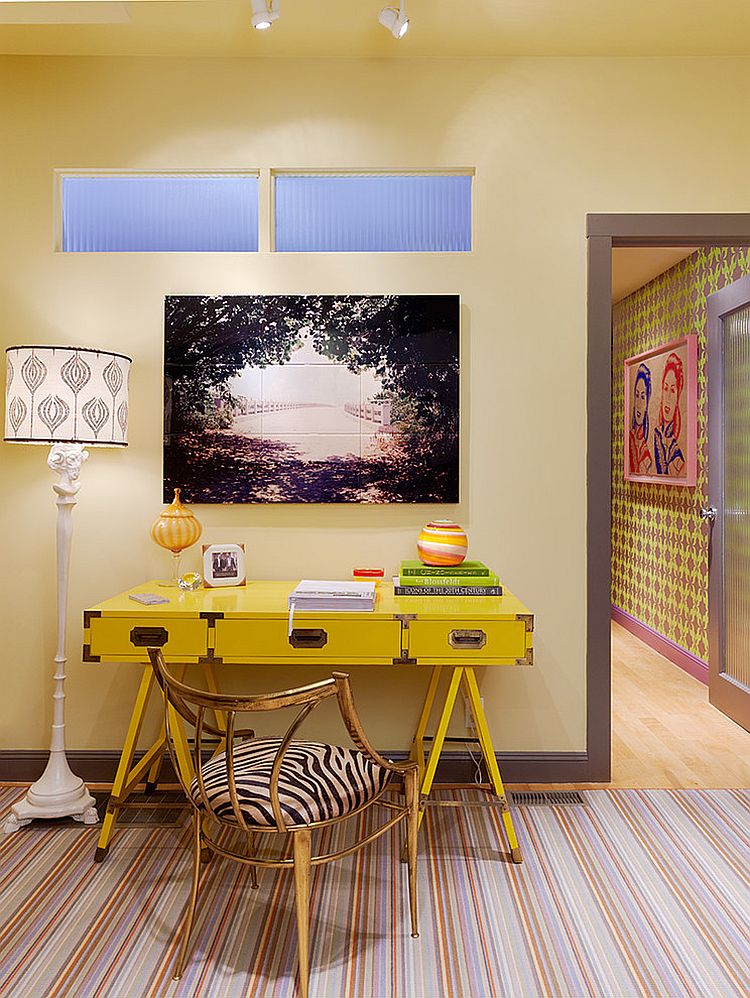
column 466, row 568
column 448, row 580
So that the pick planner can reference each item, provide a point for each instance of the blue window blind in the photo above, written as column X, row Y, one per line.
column 179, row 213
column 373, row 213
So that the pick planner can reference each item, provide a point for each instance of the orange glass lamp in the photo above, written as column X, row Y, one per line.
column 68, row 398
column 176, row 528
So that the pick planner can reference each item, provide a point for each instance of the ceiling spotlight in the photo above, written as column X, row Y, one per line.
column 265, row 12
column 395, row 20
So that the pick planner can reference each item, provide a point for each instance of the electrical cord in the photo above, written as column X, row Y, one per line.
column 477, row 765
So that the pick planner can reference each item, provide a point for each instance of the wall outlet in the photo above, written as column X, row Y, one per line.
column 468, row 718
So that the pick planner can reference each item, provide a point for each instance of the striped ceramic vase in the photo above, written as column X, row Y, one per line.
column 442, row 542
column 177, row 527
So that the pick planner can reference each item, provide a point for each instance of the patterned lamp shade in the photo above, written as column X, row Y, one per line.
column 66, row 395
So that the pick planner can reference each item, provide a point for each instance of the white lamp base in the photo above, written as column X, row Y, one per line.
column 58, row 793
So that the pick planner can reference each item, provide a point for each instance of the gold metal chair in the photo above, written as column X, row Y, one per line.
column 279, row 785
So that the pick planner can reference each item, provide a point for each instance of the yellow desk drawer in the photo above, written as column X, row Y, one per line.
column 446, row 642
column 109, row 638
column 332, row 641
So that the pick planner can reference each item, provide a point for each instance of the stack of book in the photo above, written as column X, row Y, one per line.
column 323, row 596
column 470, row 578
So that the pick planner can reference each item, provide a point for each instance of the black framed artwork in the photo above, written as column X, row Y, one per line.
column 312, row 398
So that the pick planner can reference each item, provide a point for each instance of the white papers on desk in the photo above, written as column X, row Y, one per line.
column 324, row 596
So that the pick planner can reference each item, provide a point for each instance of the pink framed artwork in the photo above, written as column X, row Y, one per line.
column 661, row 414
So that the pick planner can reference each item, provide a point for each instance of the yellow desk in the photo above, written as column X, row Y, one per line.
column 250, row 626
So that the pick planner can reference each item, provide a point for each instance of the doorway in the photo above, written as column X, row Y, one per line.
column 605, row 233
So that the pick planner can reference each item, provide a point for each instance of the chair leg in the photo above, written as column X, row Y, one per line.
column 207, row 853
column 190, row 913
column 411, row 787
column 252, row 842
column 301, row 846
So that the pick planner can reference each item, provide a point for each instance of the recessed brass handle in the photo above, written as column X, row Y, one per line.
column 467, row 639
column 149, row 637
column 308, row 637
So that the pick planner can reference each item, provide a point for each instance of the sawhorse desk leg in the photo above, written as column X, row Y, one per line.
column 129, row 776
column 417, row 748
column 123, row 782
column 152, row 780
column 176, row 725
column 428, row 768
column 213, row 687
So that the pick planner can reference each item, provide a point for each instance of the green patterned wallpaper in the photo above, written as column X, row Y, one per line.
column 659, row 545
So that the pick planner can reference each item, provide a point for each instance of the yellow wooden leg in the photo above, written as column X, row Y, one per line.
column 152, row 780
column 146, row 763
column 155, row 769
column 442, row 728
column 181, row 747
column 417, row 748
column 488, row 751
column 213, row 687
column 125, row 764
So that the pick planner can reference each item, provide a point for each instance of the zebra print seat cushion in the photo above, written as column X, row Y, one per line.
column 317, row 782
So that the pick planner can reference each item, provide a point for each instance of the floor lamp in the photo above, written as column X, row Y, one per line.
column 67, row 398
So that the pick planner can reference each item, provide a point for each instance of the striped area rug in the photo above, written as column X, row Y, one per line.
column 639, row 892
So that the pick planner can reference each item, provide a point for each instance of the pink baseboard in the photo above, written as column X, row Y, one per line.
column 685, row 659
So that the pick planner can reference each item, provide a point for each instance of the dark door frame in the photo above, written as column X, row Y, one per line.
column 603, row 233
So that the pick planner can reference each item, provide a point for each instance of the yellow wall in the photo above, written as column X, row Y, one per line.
column 550, row 139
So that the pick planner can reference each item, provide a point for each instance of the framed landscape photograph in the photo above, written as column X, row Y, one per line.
column 661, row 414
column 312, row 398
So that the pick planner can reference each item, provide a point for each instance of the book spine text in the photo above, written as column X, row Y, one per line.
column 448, row 590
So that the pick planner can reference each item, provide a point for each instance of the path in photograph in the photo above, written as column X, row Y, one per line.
column 328, row 429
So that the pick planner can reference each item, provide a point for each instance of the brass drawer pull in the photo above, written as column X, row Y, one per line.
column 149, row 637
column 308, row 637
column 467, row 639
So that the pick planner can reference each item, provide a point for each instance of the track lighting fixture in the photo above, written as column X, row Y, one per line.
column 265, row 12
column 395, row 20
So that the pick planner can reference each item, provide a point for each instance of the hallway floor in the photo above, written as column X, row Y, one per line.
column 665, row 733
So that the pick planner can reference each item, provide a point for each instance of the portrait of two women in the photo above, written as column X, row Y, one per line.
column 659, row 420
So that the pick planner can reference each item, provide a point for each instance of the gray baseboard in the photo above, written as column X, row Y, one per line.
column 519, row 767
column 26, row 765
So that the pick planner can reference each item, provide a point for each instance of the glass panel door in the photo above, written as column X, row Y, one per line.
column 736, row 511
column 729, row 496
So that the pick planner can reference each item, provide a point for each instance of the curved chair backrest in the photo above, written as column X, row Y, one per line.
column 192, row 705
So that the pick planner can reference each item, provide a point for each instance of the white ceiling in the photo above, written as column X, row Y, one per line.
column 349, row 28
column 632, row 267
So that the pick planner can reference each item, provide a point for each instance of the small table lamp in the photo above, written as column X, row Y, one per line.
column 66, row 397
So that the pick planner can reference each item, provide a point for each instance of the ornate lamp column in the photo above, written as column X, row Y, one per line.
column 67, row 397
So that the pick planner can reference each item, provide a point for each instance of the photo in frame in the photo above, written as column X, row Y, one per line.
column 660, row 414
column 223, row 565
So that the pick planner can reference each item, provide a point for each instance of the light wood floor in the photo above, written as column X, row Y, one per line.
column 665, row 733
